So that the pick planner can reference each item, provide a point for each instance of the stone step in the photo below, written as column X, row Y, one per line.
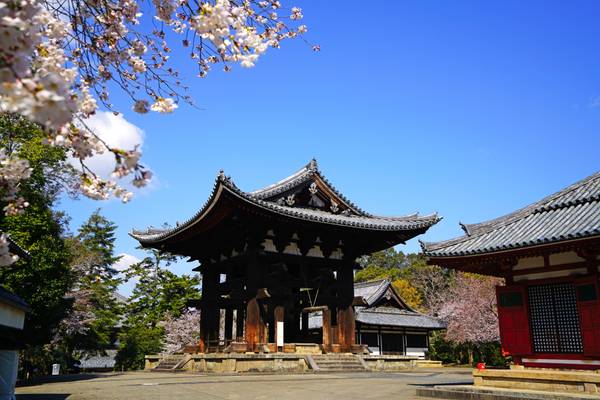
column 338, row 363
column 342, row 370
column 322, row 363
column 169, row 363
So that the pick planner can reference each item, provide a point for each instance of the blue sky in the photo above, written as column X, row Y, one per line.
column 470, row 109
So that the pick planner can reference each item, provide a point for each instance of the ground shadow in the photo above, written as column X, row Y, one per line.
column 63, row 378
column 44, row 396
column 430, row 385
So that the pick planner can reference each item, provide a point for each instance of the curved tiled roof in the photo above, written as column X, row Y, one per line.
column 304, row 174
column 394, row 317
column 257, row 198
column 571, row 213
column 371, row 292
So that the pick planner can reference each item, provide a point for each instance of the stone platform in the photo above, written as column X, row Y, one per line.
column 470, row 392
column 285, row 362
column 522, row 383
column 569, row 381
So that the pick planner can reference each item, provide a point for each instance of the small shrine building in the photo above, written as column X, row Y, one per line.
column 385, row 324
column 549, row 255
column 270, row 257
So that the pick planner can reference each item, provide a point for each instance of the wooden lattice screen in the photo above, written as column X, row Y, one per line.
column 554, row 319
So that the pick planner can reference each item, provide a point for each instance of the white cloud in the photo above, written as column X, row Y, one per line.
column 116, row 131
column 126, row 288
column 125, row 261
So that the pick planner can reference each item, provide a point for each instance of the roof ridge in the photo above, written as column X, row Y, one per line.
column 362, row 221
column 301, row 175
column 538, row 206
column 562, row 199
column 372, row 281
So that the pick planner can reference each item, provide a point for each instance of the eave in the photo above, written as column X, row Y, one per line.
column 223, row 185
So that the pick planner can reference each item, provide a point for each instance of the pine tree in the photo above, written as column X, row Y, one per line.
column 98, row 282
column 97, row 234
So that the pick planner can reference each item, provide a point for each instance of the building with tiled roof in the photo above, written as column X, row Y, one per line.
column 268, row 255
column 549, row 254
column 385, row 323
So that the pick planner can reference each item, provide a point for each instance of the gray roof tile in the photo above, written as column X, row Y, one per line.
column 360, row 219
column 12, row 299
column 571, row 213
column 373, row 291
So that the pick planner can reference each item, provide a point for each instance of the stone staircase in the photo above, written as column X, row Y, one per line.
column 338, row 363
column 171, row 362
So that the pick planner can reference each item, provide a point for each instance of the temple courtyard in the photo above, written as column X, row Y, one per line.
column 182, row 386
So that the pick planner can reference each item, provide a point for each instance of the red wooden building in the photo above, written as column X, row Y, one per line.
column 549, row 255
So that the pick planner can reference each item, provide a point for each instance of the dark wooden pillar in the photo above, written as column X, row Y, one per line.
column 228, row 324
column 255, row 326
column 304, row 326
column 346, row 328
column 209, row 311
column 327, row 329
column 345, row 314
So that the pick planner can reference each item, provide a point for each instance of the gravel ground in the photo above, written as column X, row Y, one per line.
column 184, row 386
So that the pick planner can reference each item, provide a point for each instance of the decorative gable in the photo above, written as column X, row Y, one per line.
column 313, row 194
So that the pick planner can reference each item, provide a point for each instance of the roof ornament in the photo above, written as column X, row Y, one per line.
column 334, row 206
column 312, row 165
column 465, row 228
column 281, row 201
column 313, row 188
column 290, row 200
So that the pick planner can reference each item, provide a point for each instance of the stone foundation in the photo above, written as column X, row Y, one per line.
column 224, row 363
column 397, row 363
column 584, row 382
column 283, row 362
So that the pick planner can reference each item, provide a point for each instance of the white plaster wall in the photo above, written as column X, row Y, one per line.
column 565, row 258
column 529, row 262
column 416, row 351
column 553, row 274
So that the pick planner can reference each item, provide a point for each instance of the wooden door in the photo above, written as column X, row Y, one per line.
column 513, row 318
column 588, row 303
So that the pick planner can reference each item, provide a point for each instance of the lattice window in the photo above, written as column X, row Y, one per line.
column 554, row 319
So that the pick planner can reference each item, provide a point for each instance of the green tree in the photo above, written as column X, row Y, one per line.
column 98, row 235
column 44, row 281
column 408, row 293
column 381, row 265
column 99, row 280
column 158, row 292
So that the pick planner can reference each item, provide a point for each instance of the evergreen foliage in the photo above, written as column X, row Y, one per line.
column 159, row 295
column 43, row 281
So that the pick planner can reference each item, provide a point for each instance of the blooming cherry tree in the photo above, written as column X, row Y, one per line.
column 181, row 331
column 58, row 59
column 469, row 309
